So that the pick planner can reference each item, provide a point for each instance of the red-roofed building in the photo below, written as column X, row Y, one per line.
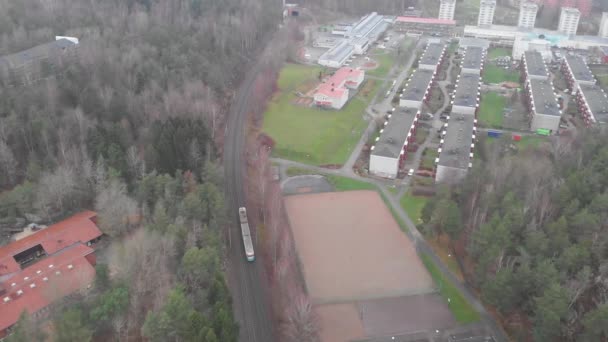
column 333, row 93
column 46, row 266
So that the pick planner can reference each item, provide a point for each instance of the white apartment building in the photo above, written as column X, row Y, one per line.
column 486, row 12
column 446, row 9
column 527, row 15
column 604, row 26
column 568, row 21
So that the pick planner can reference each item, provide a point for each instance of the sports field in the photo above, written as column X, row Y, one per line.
column 495, row 74
column 312, row 135
column 491, row 110
column 351, row 248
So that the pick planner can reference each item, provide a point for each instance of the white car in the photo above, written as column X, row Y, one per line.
column 410, row 172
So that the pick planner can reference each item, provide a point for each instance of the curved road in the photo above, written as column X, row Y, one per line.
column 248, row 281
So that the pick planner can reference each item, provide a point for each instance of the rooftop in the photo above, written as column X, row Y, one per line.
column 467, row 90
column 597, row 101
column 78, row 228
column 473, row 58
column 334, row 86
column 604, row 49
column 535, row 65
column 366, row 25
column 36, row 53
column 432, row 54
column 580, row 70
column 435, row 21
column 543, row 96
column 339, row 52
column 477, row 42
column 417, row 85
column 457, row 141
column 394, row 133
column 50, row 279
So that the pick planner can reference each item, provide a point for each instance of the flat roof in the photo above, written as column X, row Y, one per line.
column 415, row 20
column 535, row 63
column 597, row 101
column 467, row 90
column 478, row 42
column 395, row 133
column 417, row 85
column 366, row 24
column 457, row 140
column 580, row 70
column 543, row 97
column 35, row 53
column 432, row 54
column 339, row 52
column 473, row 58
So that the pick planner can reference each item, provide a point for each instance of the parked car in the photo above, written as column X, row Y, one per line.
column 410, row 172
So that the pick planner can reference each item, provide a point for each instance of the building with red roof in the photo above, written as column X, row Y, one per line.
column 334, row 92
column 46, row 266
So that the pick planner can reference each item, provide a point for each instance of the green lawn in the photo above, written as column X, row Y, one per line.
column 491, row 110
column 312, row 135
column 531, row 141
column 498, row 52
column 496, row 74
column 603, row 79
column 347, row 184
column 461, row 309
column 413, row 206
column 428, row 159
column 385, row 59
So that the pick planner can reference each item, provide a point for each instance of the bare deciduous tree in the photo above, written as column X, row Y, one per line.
column 114, row 207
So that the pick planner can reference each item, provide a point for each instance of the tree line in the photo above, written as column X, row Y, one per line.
column 534, row 227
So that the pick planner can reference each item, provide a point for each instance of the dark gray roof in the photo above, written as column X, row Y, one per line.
column 432, row 54
column 39, row 52
column 456, row 148
column 395, row 133
column 535, row 63
column 417, row 85
column 597, row 101
column 473, row 58
column 544, row 98
column 579, row 68
column 466, row 90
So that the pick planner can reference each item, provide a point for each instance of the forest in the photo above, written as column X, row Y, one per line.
column 531, row 229
column 130, row 125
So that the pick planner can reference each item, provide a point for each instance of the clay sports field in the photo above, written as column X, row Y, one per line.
column 360, row 267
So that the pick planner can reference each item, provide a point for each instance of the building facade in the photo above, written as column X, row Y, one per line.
column 542, row 102
column 603, row 32
column 527, row 15
column 425, row 25
column 446, row 9
column 486, row 12
column 334, row 92
column 390, row 149
column 577, row 72
column 592, row 104
column 568, row 21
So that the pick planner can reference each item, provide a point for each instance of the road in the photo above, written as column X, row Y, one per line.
column 248, row 283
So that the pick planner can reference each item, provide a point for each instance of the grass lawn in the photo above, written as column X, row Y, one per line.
column 498, row 52
column 530, row 141
column 496, row 74
column 491, row 110
column 312, row 135
column 428, row 159
column 461, row 309
column 413, row 206
column 603, row 81
column 298, row 171
column 441, row 246
column 348, row 184
column 385, row 60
